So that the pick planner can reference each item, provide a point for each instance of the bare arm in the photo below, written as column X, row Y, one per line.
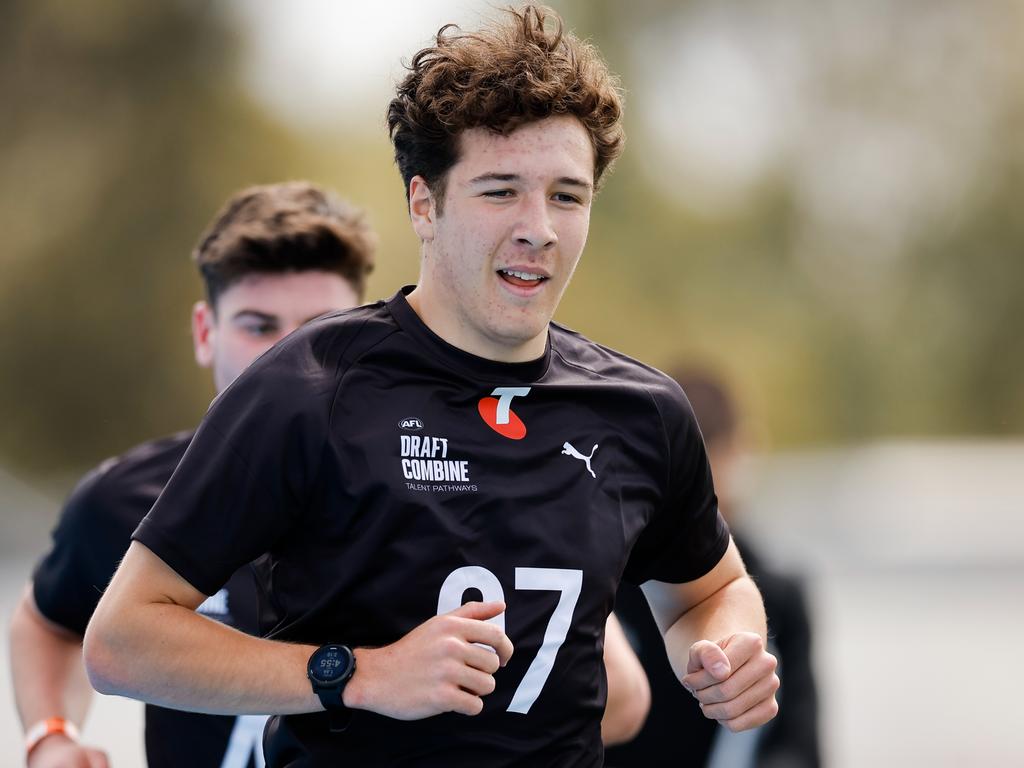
column 146, row 641
column 49, row 681
column 715, row 631
column 629, row 693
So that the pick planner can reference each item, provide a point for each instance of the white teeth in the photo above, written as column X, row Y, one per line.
column 522, row 275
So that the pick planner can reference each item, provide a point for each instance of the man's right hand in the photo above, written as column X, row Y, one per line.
column 438, row 667
column 58, row 751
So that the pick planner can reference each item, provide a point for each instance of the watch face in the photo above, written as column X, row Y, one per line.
column 330, row 663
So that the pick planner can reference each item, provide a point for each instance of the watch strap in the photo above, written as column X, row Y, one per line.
column 332, row 696
column 339, row 718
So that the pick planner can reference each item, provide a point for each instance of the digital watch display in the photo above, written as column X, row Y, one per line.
column 329, row 670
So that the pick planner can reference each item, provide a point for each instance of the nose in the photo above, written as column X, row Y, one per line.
column 535, row 229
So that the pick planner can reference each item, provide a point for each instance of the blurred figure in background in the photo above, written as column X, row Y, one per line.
column 791, row 739
column 275, row 257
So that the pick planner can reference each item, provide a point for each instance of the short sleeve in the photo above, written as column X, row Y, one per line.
column 686, row 536
column 87, row 544
column 246, row 476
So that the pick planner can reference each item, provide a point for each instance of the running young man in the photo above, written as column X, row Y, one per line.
column 275, row 257
column 449, row 443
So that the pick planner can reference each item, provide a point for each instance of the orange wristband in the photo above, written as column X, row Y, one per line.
column 48, row 727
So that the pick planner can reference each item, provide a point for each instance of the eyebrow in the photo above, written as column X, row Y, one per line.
column 255, row 314
column 568, row 180
column 243, row 314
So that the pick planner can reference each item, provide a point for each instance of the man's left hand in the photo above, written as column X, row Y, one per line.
column 734, row 680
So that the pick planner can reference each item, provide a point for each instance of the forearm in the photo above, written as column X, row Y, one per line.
column 46, row 668
column 735, row 607
column 629, row 693
column 169, row 655
column 146, row 641
column 623, row 718
column 715, row 634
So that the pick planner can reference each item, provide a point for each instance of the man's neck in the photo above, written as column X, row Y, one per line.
column 430, row 310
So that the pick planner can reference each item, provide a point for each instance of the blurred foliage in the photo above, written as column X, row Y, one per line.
column 123, row 131
column 125, row 126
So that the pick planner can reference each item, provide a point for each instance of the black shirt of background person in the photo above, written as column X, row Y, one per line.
column 89, row 541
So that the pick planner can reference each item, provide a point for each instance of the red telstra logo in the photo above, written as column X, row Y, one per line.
column 497, row 413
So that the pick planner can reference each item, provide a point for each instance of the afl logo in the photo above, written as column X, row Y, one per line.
column 412, row 423
column 497, row 413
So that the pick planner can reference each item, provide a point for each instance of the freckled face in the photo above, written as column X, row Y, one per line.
column 514, row 222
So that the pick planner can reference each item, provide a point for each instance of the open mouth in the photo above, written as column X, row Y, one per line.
column 520, row 278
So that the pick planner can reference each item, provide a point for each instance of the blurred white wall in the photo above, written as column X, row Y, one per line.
column 914, row 556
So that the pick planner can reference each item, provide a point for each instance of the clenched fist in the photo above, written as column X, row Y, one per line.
column 446, row 664
column 734, row 680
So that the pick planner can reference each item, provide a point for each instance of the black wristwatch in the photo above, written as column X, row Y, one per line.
column 329, row 670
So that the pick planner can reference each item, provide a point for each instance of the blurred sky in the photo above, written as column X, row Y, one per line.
column 318, row 63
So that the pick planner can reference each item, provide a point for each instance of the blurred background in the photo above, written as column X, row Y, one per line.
column 819, row 200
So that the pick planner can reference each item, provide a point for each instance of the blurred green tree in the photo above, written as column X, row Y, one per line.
column 123, row 129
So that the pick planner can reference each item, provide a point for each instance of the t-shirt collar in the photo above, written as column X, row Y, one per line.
column 474, row 366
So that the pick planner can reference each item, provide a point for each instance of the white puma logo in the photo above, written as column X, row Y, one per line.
column 568, row 450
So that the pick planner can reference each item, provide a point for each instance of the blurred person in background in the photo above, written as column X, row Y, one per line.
column 791, row 739
column 275, row 257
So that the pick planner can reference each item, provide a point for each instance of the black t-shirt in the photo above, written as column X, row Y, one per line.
column 91, row 537
column 390, row 476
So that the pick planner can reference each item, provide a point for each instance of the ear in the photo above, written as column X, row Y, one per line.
column 421, row 209
column 204, row 327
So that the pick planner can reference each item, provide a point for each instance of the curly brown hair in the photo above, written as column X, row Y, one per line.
column 294, row 226
column 519, row 70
